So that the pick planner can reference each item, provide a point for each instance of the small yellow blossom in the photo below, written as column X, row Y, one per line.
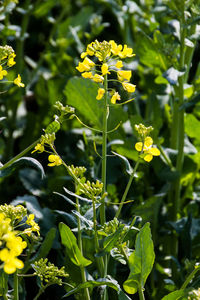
column 104, row 69
column 115, row 97
column 147, row 149
column 115, row 49
column 55, row 160
column 11, row 262
column 100, row 94
column 130, row 88
column 127, row 52
column 34, row 225
column 87, row 75
column 124, row 75
column 2, row 73
column 18, row 81
column 83, row 55
column 38, row 147
column 88, row 50
column 86, row 65
column 119, row 64
column 11, row 61
column 98, row 78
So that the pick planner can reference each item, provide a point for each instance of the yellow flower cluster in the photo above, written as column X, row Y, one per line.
column 106, row 52
column 11, row 246
column 54, row 160
column 146, row 148
column 7, row 56
column 34, row 226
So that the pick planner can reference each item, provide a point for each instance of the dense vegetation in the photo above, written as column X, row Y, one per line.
column 73, row 148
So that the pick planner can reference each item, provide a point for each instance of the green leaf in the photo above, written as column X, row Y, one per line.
column 175, row 295
column 69, row 241
column 92, row 284
column 81, row 93
column 140, row 261
column 192, row 126
column 24, row 161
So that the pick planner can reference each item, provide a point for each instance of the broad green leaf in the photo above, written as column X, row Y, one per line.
column 81, row 93
column 21, row 162
column 188, row 90
column 92, row 284
column 69, row 241
column 140, row 261
column 175, row 295
column 192, row 126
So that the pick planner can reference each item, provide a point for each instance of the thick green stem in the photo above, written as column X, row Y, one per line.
column 11, row 161
column 140, row 292
column 189, row 278
column 104, row 151
column 16, row 288
column 83, row 276
column 127, row 189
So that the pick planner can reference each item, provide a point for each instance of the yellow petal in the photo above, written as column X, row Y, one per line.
column 138, row 146
column 148, row 157
column 148, row 141
column 154, row 151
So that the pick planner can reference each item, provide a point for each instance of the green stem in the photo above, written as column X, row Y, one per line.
column 104, row 151
column 11, row 161
column 40, row 292
column 127, row 189
column 140, row 292
column 16, row 289
column 189, row 278
column 83, row 276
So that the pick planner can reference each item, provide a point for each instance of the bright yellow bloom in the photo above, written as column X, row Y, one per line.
column 38, row 147
column 88, row 50
column 119, row 64
column 104, row 69
column 86, row 65
column 11, row 262
column 2, row 73
column 100, row 94
column 130, row 88
column 147, row 149
column 87, row 75
column 124, row 75
column 18, row 81
column 127, row 52
column 35, row 227
column 11, row 61
column 83, row 54
column 55, row 160
column 115, row 97
column 115, row 49
column 98, row 78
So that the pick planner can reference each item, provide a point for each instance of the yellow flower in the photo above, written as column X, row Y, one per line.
column 130, row 88
column 88, row 50
column 2, row 73
column 87, row 75
column 104, row 69
column 11, row 61
column 115, row 97
column 147, row 149
column 100, row 94
column 83, row 54
column 38, row 147
column 124, row 75
column 98, row 78
column 119, row 64
column 11, row 262
column 55, row 160
column 86, row 65
column 18, row 81
column 115, row 49
column 127, row 52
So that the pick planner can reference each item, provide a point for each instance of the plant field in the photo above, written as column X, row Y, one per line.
column 100, row 149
